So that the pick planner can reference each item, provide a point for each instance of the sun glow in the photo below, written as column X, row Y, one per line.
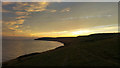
column 81, row 32
column 72, row 33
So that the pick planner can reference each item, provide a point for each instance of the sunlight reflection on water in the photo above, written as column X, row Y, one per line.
column 15, row 48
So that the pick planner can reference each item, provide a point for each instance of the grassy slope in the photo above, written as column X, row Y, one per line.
column 89, row 52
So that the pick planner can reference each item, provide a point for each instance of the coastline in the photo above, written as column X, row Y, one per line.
column 58, row 44
column 67, row 44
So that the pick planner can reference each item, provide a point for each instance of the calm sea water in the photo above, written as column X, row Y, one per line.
column 14, row 48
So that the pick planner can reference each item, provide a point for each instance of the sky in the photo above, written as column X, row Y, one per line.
column 58, row 19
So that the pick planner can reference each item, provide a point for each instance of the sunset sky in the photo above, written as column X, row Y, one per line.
column 58, row 19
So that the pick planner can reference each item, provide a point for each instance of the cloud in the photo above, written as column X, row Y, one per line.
column 21, row 13
column 4, row 10
column 22, row 10
column 104, row 26
column 22, row 17
column 49, row 33
column 31, row 7
column 53, row 10
column 88, row 17
column 7, row 3
column 21, row 21
column 14, row 25
column 65, row 10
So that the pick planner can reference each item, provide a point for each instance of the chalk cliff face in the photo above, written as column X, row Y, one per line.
column 92, row 50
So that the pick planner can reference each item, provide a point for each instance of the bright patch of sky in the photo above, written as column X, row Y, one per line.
column 57, row 19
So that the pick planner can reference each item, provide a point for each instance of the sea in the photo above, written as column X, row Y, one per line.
column 12, row 49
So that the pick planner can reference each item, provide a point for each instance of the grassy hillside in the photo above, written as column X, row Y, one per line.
column 93, row 50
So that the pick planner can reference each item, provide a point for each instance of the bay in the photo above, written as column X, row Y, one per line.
column 12, row 49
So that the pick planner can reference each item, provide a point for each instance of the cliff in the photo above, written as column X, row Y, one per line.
column 92, row 50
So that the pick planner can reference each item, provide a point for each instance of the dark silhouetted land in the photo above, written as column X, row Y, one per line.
column 92, row 50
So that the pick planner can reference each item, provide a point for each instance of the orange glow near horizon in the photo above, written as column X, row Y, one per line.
column 58, row 19
column 71, row 33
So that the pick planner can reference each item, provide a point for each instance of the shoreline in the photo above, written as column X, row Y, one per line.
column 68, row 44
column 34, row 53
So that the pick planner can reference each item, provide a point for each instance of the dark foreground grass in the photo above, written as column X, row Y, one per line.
column 79, row 51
